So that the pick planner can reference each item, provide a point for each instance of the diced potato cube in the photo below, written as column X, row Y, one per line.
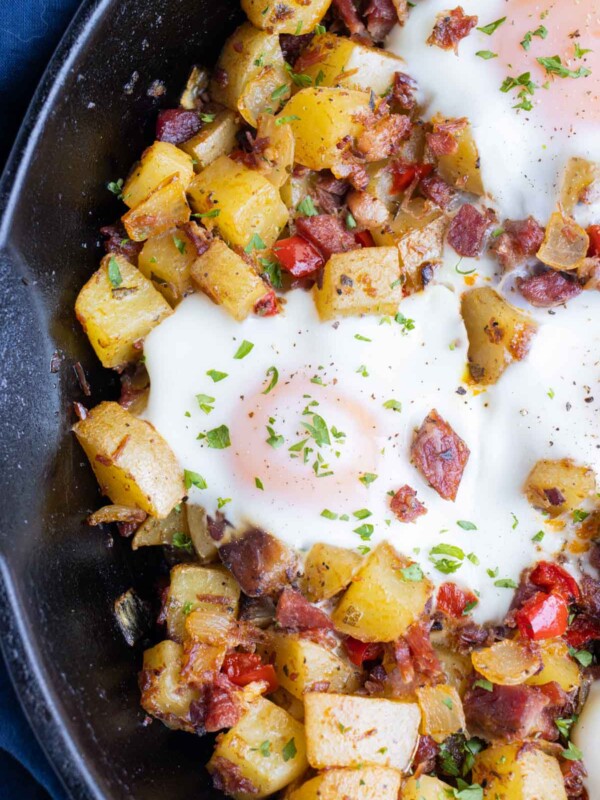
column 514, row 772
column 277, row 161
column 132, row 462
column 461, row 168
column 320, row 118
column 165, row 694
column 288, row 702
column 367, row 783
column 348, row 731
column 267, row 746
column 117, row 308
column 338, row 61
column 228, row 280
column 498, row 333
column 256, row 76
column 158, row 162
column 557, row 666
column 579, row 177
column 365, row 281
column 163, row 209
column 441, row 711
column 217, row 138
column 457, row 666
column 426, row 787
column 166, row 261
column 559, row 486
column 250, row 210
column 328, row 570
column 192, row 587
column 292, row 16
column 565, row 244
column 300, row 664
column 386, row 596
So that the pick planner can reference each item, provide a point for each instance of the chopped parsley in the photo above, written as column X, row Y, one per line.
column 275, row 440
column 412, row 573
column 193, row 479
column 217, row 438
column 393, row 405
column 205, row 402
column 554, row 66
column 362, row 370
column 243, row 350
column 367, row 478
column 538, row 536
column 207, row 117
column 289, row 751
column 540, row 32
column 285, row 120
column 222, row 501
column 320, row 30
column 278, row 93
column 188, row 607
column 299, row 79
column 259, row 484
column 272, row 269
column 466, row 525
column 580, row 52
column 486, row 54
column 350, row 221
column 405, row 323
column 255, row 243
column 579, row 515
column 365, row 531
column 114, row 273
column 329, row 514
column 307, row 207
column 362, row 513
column 572, row 753
column 492, row 27
column 216, row 375
column 274, row 373
column 318, row 430
column 116, row 187
column 265, row 749
column 447, row 550
column 505, row 583
column 182, row 541
column 483, row 683
column 550, row 394
column 515, row 520
column 584, row 657
column 208, row 214
column 359, row 337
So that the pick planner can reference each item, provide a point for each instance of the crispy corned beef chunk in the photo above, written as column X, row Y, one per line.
column 468, row 230
column 440, row 455
column 549, row 288
column 450, row 28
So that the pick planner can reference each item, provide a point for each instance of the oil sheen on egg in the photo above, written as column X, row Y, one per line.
column 523, row 151
column 372, row 381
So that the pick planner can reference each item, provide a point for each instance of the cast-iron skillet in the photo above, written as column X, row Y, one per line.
column 89, row 121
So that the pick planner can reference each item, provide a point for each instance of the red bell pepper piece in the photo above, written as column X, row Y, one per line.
column 582, row 630
column 244, row 668
column 452, row 600
column 404, row 174
column 364, row 239
column 553, row 578
column 359, row 652
column 594, row 234
column 267, row 306
column 543, row 616
column 298, row 256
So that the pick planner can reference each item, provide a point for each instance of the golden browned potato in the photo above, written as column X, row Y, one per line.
column 166, row 261
column 163, row 209
column 291, row 16
column 338, row 61
column 132, row 462
column 498, row 333
column 320, row 118
column 267, row 746
column 425, row 787
column 515, row 772
column 460, row 168
column 328, row 570
column 228, row 280
column 418, row 233
column 579, row 177
column 244, row 206
column 165, row 694
column 117, row 308
column 365, row 281
column 277, row 159
column 565, row 244
column 288, row 702
column 349, row 731
column 457, row 666
column 441, row 711
column 211, row 589
column 387, row 594
column 186, row 519
column 301, row 663
column 558, row 486
column 557, row 666
column 364, row 783
column 158, row 162
column 217, row 138
column 508, row 662
column 257, row 80
column 296, row 188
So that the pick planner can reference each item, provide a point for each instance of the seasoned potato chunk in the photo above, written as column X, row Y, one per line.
column 228, row 280
column 186, row 519
column 328, row 570
column 165, row 694
column 365, row 783
column 247, row 208
column 387, row 594
column 300, row 664
column 559, row 486
column 164, row 208
column 320, row 118
column 277, row 160
column 363, row 281
column 578, row 178
column 425, row 787
column 498, row 333
column 348, row 731
column 292, row 16
column 418, row 233
column 514, row 772
column 217, row 138
column 117, row 308
column 338, row 61
column 457, row 666
column 267, row 746
column 460, row 168
column 557, row 666
column 441, row 712
column 158, row 162
column 256, row 78
column 193, row 587
column 132, row 462
column 166, row 261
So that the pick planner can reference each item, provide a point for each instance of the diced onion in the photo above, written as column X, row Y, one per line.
column 565, row 244
column 509, row 662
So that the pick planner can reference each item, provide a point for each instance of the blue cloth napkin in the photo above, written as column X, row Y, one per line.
column 29, row 33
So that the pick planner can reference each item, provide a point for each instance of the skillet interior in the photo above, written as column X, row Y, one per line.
column 89, row 120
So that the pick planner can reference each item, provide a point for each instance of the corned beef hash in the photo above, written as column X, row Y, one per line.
column 354, row 306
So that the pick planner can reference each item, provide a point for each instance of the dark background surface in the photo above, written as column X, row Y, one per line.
column 29, row 33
